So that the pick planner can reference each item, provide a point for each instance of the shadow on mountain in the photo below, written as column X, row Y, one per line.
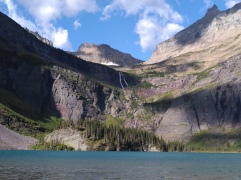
column 214, row 107
column 17, row 40
column 26, row 88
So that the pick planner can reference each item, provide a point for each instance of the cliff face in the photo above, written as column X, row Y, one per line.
column 55, row 82
column 194, row 83
column 191, row 83
column 104, row 54
column 58, row 91
column 213, row 100
column 211, row 39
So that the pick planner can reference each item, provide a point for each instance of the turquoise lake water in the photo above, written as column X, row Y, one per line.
column 117, row 165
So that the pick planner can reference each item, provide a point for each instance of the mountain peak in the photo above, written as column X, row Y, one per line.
column 213, row 11
column 104, row 54
column 207, row 35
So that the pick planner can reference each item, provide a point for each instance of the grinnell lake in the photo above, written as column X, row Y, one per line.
column 118, row 165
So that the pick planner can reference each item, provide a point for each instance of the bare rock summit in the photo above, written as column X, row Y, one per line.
column 104, row 54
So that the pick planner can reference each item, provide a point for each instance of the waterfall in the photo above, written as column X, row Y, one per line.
column 120, row 81
column 124, row 80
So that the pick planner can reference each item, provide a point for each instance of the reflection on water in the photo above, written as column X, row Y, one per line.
column 117, row 165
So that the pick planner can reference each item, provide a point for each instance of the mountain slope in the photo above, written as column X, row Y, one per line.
column 104, row 54
column 210, row 40
column 53, row 82
column 196, row 89
column 193, row 82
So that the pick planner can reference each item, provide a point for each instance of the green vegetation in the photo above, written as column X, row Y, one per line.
column 165, row 100
column 154, row 74
column 134, row 104
column 54, row 145
column 22, row 118
column 119, row 138
column 219, row 139
column 112, row 121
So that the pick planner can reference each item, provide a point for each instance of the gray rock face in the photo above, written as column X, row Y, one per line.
column 104, row 54
column 213, row 101
column 58, row 91
column 195, row 83
column 68, row 137
column 212, row 38
column 53, row 81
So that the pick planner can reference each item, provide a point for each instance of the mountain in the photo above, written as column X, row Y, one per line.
column 187, row 94
column 104, row 54
column 42, row 87
column 212, row 39
column 36, row 34
column 193, row 80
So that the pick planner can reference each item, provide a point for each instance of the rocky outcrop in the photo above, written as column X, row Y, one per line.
column 68, row 137
column 214, row 38
column 104, row 54
column 44, row 40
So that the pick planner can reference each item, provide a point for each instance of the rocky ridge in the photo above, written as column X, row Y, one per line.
column 53, row 81
column 68, row 137
column 37, row 35
column 104, row 54
column 212, row 39
column 195, row 90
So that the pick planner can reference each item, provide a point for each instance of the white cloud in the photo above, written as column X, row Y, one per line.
column 157, row 21
column 152, row 32
column 231, row 3
column 47, row 10
column 60, row 38
column 76, row 24
column 208, row 3
column 46, row 13
column 12, row 12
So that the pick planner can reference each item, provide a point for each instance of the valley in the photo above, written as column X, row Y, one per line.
column 186, row 97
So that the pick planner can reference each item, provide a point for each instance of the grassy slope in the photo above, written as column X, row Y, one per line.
column 218, row 139
column 20, row 117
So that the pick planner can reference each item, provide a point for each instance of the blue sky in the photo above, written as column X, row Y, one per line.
column 131, row 26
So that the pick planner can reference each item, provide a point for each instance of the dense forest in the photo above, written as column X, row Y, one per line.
column 117, row 138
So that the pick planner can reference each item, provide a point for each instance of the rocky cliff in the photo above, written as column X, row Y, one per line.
column 212, row 39
column 55, row 82
column 192, row 82
column 104, row 54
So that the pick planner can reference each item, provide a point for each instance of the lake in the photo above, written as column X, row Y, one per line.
column 118, row 165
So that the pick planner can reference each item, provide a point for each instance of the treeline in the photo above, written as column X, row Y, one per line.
column 115, row 138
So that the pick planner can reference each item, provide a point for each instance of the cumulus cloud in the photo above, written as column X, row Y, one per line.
column 76, row 24
column 157, row 20
column 12, row 12
column 46, row 13
column 231, row 3
column 46, row 10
